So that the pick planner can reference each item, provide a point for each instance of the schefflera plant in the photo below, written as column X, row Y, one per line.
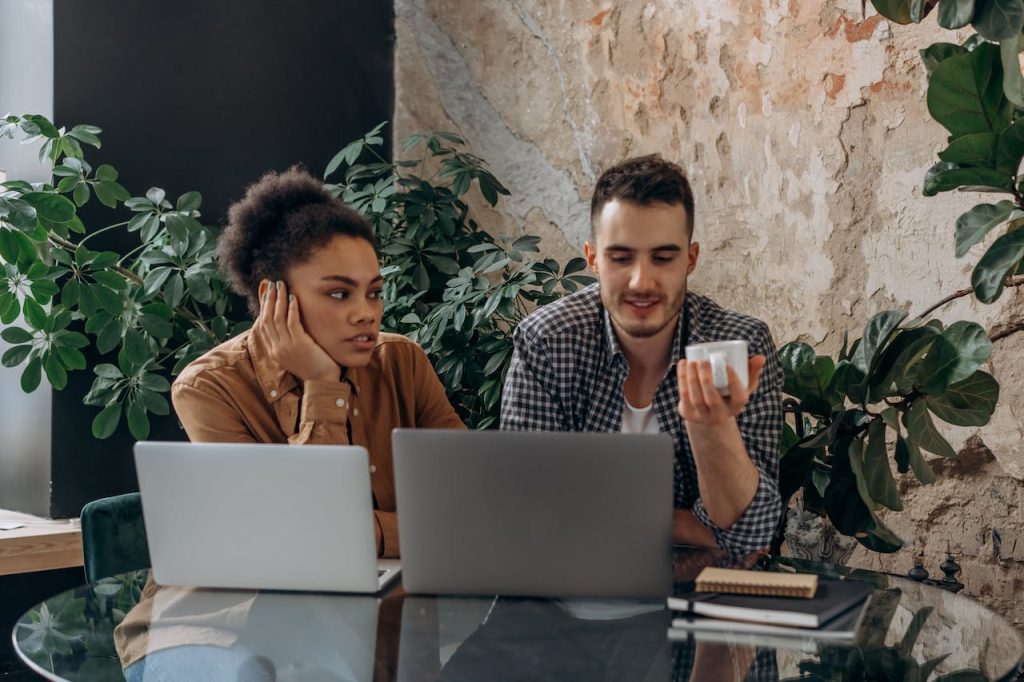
column 874, row 404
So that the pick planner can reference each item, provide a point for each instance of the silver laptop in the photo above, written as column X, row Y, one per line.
column 261, row 516
column 534, row 514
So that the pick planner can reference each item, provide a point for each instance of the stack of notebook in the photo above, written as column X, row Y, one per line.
column 781, row 604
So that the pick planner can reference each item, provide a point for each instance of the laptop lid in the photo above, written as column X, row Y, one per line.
column 538, row 513
column 259, row 516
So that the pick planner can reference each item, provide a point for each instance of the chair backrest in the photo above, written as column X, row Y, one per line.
column 114, row 536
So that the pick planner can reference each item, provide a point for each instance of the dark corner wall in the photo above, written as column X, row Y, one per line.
column 207, row 96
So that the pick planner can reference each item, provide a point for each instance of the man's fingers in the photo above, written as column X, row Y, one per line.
column 712, row 398
column 737, row 391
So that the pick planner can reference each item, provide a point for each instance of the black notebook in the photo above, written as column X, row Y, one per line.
column 833, row 598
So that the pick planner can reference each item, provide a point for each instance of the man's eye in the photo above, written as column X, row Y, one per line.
column 620, row 259
column 664, row 259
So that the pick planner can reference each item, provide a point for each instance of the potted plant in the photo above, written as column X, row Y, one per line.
column 873, row 406
column 150, row 311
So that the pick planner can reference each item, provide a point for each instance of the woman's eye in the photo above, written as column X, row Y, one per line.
column 376, row 294
column 340, row 295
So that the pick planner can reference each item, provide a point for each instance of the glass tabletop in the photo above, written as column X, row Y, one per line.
column 127, row 627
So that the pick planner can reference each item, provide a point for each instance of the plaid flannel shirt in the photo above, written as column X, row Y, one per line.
column 567, row 374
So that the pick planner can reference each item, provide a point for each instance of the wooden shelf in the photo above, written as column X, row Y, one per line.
column 39, row 545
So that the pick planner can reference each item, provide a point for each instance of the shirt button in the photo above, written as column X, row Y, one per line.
column 340, row 402
column 273, row 393
column 373, row 469
column 355, row 412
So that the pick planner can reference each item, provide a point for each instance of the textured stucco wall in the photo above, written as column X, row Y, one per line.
column 804, row 130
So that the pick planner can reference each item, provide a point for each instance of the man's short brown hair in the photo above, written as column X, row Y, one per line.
column 643, row 180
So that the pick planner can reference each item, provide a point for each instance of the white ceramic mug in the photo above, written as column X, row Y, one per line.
column 722, row 354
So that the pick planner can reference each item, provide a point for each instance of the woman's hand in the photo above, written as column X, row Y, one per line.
column 280, row 324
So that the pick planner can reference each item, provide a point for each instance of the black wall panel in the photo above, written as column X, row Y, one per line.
column 203, row 95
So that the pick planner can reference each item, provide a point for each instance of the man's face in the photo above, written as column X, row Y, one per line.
column 642, row 257
column 339, row 294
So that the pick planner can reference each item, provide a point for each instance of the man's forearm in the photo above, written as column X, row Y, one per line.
column 687, row 530
column 726, row 476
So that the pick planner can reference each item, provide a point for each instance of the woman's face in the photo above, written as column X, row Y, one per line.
column 339, row 294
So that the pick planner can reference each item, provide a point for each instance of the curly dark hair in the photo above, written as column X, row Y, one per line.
column 643, row 180
column 281, row 221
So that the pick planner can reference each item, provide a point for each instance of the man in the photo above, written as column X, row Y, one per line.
column 610, row 358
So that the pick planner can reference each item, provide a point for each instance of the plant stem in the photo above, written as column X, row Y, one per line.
column 1001, row 331
column 1010, row 282
column 71, row 246
column 101, row 231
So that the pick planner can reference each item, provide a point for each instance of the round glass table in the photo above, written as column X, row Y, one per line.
column 128, row 628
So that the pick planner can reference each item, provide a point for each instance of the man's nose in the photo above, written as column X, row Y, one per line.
column 640, row 278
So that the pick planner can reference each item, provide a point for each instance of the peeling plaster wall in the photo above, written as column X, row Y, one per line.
column 804, row 130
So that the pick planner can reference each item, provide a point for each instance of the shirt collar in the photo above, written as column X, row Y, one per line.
column 274, row 380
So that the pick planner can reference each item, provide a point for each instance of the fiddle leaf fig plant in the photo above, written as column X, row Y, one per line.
column 137, row 317
column 875, row 405
column 976, row 92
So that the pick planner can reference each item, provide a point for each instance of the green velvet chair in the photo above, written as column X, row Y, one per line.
column 114, row 536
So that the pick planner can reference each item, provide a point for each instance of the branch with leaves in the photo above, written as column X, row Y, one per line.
column 141, row 316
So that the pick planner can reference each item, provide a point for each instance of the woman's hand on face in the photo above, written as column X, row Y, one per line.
column 280, row 323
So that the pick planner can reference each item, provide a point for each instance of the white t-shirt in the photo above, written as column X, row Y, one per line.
column 639, row 419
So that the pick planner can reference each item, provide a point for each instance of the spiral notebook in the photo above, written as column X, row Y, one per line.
column 734, row 581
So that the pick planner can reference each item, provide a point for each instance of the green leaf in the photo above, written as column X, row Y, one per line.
column 51, row 207
column 973, row 348
column 174, row 290
column 81, row 194
column 944, row 176
column 55, row 371
column 965, row 93
column 975, row 224
column 921, row 432
column 105, row 423
column 937, row 53
column 1013, row 80
column 1010, row 149
column 922, row 470
column 156, row 195
column 111, row 280
column 970, row 402
column 109, row 300
column 72, row 358
column 157, row 326
column 189, row 201
column 976, row 149
column 895, row 10
column 106, row 172
column 32, row 375
column 109, row 193
column 876, row 470
column 108, row 371
column 9, row 246
column 155, row 382
column 34, row 314
column 16, row 335
column 15, row 355
column 954, row 14
column 138, row 421
column 1000, row 260
column 876, row 335
column 998, row 20
column 135, row 347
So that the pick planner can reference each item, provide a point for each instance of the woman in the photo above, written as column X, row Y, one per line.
column 315, row 367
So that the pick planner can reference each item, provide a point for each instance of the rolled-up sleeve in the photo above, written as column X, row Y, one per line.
column 760, row 426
